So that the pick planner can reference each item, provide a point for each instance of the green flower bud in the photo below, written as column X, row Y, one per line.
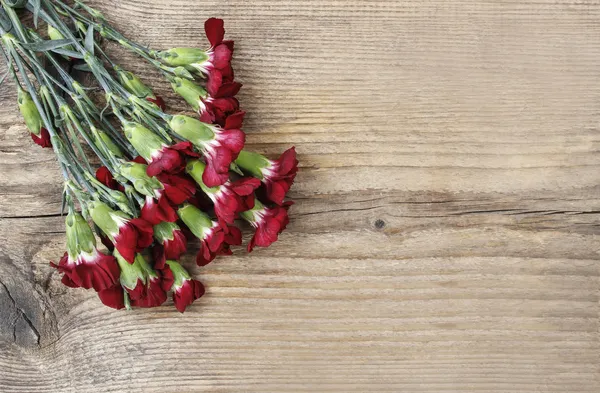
column 191, row 129
column 133, row 84
column 195, row 168
column 190, row 91
column 30, row 112
column 136, row 174
column 252, row 163
column 80, row 238
column 196, row 220
column 55, row 34
column 176, row 57
column 102, row 137
column 143, row 140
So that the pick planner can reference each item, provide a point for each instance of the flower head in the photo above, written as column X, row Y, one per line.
column 277, row 175
column 129, row 235
column 83, row 265
column 219, row 146
column 136, row 87
column 215, row 239
column 161, row 157
column 269, row 222
column 171, row 243
column 229, row 199
column 185, row 289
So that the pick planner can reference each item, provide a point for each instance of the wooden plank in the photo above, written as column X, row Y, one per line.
column 445, row 232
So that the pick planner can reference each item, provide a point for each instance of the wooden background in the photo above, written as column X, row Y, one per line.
column 445, row 232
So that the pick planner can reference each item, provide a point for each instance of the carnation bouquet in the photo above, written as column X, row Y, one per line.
column 143, row 181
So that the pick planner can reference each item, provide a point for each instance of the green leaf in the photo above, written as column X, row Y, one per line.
column 89, row 39
column 83, row 67
column 5, row 21
column 37, row 5
column 16, row 3
column 47, row 45
column 68, row 53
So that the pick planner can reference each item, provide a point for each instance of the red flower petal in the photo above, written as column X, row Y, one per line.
column 228, row 89
column 113, row 297
column 189, row 291
column 43, row 139
column 235, row 120
column 158, row 101
column 214, row 30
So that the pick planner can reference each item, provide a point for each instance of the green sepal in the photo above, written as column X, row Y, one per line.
column 195, row 168
column 105, row 218
column 177, row 57
column 164, row 231
column 144, row 141
column 193, row 130
column 252, row 163
column 179, row 273
column 131, row 272
column 195, row 219
column 30, row 112
column 80, row 237
column 136, row 174
column 55, row 34
column 133, row 84
column 190, row 91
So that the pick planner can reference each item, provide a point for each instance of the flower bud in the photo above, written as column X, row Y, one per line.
column 105, row 218
column 132, row 272
column 30, row 112
column 191, row 92
column 136, row 174
column 145, row 142
column 54, row 33
column 196, row 220
column 191, row 129
column 133, row 84
column 185, row 57
column 102, row 137
column 80, row 238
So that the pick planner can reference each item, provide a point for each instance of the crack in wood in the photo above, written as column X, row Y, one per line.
column 23, row 315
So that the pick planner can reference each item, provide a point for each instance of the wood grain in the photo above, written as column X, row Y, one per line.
column 445, row 232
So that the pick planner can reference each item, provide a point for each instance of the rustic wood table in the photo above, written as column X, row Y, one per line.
column 445, row 232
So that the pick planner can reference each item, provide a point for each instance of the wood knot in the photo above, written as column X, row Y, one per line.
column 379, row 224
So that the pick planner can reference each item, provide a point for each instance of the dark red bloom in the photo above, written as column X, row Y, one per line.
column 218, row 65
column 269, row 223
column 153, row 294
column 158, row 101
column 157, row 210
column 279, row 177
column 187, row 293
column 216, row 241
column 178, row 188
column 43, row 139
column 220, row 153
column 134, row 236
column 171, row 159
column 171, row 243
column 113, row 297
column 95, row 270
column 216, row 110
column 234, row 198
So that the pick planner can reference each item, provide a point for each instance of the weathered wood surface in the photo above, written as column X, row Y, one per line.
column 445, row 235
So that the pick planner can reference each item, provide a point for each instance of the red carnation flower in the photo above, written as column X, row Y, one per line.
column 219, row 153
column 234, row 198
column 171, row 243
column 216, row 241
column 178, row 188
column 43, row 139
column 157, row 210
column 216, row 110
column 170, row 159
column 105, row 177
column 153, row 294
column 185, row 294
column 269, row 223
column 218, row 66
column 95, row 270
column 277, row 175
